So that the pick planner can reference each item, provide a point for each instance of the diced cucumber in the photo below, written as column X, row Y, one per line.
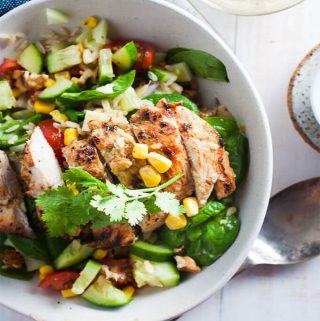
column 105, row 66
column 55, row 17
column 73, row 254
column 103, row 293
column 161, row 274
column 56, row 46
column 126, row 56
column 99, row 33
column 61, row 85
column 63, row 59
column 87, row 275
column 31, row 59
column 157, row 253
column 84, row 36
column 129, row 100
column 92, row 45
column 163, row 75
column 22, row 114
column 7, row 99
column 182, row 71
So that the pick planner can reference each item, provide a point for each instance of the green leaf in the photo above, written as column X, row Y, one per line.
column 31, row 248
column 168, row 203
column 82, row 179
column 201, row 63
column 135, row 211
column 151, row 206
column 18, row 274
column 155, row 98
column 117, row 87
column 101, row 221
column 224, row 126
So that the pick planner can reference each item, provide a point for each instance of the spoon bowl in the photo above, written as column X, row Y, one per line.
column 291, row 230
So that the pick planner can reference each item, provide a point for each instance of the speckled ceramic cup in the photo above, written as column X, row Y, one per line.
column 166, row 26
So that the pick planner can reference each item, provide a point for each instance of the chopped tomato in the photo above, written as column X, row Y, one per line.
column 9, row 65
column 61, row 280
column 54, row 136
column 34, row 95
column 146, row 52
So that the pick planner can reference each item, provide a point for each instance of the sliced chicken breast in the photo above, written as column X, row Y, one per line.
column 83, row 155
column 115, row 144
column 157, row 127
column 40, row 169
column 209, row 160
column 117, row 235
column 13, row 218
column 152, row 222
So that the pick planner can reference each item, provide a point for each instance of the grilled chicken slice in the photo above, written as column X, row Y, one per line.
column 83, row 155
column 117, row 235
column 40, row 169
column 115, row 144
column 13, row 218
column 209, row 161
column 152, row 222
column 158, row 128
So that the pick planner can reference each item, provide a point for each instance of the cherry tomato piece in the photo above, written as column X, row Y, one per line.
column 54, row 136
column 61, row 280
column 9, row 65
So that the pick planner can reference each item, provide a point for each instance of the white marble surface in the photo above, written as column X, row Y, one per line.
column 270, row 47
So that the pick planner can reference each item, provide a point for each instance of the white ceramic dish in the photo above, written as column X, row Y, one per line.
column 251, row 7
column 315, row 95
column 167, row 26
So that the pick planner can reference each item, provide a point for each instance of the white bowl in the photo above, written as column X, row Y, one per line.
column 315, row 95
column 167, row 26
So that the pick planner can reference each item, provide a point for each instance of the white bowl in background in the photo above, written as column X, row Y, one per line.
column 315, row 95
column 166, row 26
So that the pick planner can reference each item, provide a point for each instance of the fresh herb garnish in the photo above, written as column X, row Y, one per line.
column 101, row 204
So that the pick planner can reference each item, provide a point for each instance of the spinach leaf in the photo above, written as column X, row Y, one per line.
column 30, row 248
column 19, row 274
column 201, row 63
column 155, row 98
column 117, row 87
column 239, row 155
column 236, row 144
column 224, row 126
column 2, row 240
column 56, row 245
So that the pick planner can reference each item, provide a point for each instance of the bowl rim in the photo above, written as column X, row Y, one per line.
column 245, row 247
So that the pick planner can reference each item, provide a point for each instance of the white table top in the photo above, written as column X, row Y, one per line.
column 270, row 47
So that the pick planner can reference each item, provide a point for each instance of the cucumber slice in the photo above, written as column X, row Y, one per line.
column 62, row 85
column 22, row 114
column 55, row 17
column 126, row 56
column 99, row 33
column 105, row 66
column 129, row 101
column 160, row 274
column 63, row 59
column 73, row 254
column 157, row 253
column 31, row 59
column 163, row 75
column 87, row 275
column 56, row 47
column 7, row 99
column 182, row 71
column 103, row 293
column 84, row 36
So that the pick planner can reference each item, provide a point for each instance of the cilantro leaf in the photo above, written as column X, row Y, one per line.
column 150, row 205
column 135, row 211
column 168, row 203
column 118, row 190
column 82, row 179
column 110, row 205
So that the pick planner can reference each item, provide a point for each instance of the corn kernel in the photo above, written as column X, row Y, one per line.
column 45, row 270
column 99, row 254
column 50, row 82
column 70, row 135
column 161, row 163
column 150, row 176
column 68, row 293
column 176, row 222
column 140, row 151
column 58, row 117
column 129, row 290
column 43, row 107
column 90, row 22
column 73, row 188
column 62, row 74
column 191, row 205
column 16, row 92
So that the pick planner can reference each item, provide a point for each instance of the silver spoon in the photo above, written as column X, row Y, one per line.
column 291, row 230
